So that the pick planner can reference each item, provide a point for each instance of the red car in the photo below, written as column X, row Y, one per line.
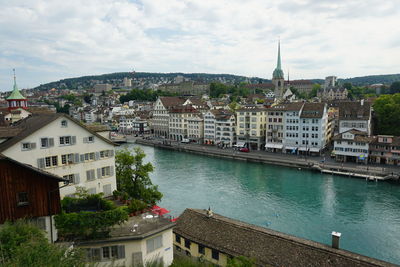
column 244, row 149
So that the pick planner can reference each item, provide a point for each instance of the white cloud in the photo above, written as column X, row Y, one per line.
column 50, row 40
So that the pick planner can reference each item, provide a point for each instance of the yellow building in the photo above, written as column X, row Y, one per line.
column 251, row 126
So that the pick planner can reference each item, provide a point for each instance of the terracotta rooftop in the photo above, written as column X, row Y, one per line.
column 358, row 136
column 171, row 101
column 267, row 247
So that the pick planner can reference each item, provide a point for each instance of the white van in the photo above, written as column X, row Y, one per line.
column 185, row 141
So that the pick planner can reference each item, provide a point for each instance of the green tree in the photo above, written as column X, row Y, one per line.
column 23, row 244
column 87, row 98
column 348, row 86
column 315, row 88
column 133, row 176
column 240, row 261
column 395, row 87
column 387, row 110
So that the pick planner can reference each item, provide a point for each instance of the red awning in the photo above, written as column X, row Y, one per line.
column 174, row 219
column 158, row 210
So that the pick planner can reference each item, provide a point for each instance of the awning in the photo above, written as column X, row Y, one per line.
column 291, row 147
column 314, row 149
column 303, row 149
column 158, row 210
column 274, row 146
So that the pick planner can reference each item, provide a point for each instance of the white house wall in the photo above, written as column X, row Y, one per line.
column 55, row 130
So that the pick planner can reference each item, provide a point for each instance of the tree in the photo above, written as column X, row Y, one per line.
column 316, row 87
column 240, row 261
column 387, row 110
column 348, row 86
column 87, row 98
column 395, row 87
column 23, row 244
column 133, row 176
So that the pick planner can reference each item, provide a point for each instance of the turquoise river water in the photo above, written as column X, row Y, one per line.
column 297, row 202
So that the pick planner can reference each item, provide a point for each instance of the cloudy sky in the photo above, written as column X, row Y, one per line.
column 48, row 40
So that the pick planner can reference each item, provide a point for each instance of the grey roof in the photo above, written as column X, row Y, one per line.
column 313, row 110
column 31, row 124
column 354, row 111
column 267, row 247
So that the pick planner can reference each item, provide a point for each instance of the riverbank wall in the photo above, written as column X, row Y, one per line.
column 370, row 174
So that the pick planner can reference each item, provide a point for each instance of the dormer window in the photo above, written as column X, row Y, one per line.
column 64, row 123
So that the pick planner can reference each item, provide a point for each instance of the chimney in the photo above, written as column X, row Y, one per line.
column 335, row 239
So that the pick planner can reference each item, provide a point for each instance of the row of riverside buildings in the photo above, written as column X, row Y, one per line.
column 43, row 157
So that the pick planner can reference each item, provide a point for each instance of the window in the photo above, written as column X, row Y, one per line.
column 64, row 123
column 28, row 146
column 105, row 171
column 22, row 199
column 187, row 243
column 201, row 249
column 90, row 175
column 154, row 243
column 67, row 140
column 177, row 238
column 51, row 161
column 46, row 142
column 89, row 139
column 67, row 159
column 72, row 178
column 105, row 253
column 215, row 254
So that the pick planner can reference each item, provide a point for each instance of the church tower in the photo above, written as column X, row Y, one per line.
column 278, row 78
column 16, row 100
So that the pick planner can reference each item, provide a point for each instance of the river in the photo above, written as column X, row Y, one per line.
column 297, row 202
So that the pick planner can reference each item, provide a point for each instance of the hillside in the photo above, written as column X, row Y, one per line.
column 148, row 80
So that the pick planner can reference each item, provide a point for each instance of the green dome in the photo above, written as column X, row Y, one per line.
column 278, row 74
column 15, row 94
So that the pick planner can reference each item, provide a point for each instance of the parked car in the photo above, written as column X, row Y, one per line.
column 244, row 149
column 185, row 141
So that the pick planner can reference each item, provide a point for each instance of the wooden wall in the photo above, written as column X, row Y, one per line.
column 15, row 178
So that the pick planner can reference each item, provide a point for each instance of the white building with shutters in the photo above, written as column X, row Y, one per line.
column 62, row 146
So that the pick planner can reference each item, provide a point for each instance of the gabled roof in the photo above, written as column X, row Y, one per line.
column 313, row 110
column 15, row 94
column 171, row 101
column 359, row 136
column 266, row 246
column 354, row 110
column 30, row 167
column 31, row 124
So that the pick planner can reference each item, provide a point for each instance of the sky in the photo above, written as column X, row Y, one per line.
column 49, row 40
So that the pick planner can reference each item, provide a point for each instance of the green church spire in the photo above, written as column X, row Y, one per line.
column 15, row 94
column 278, row 72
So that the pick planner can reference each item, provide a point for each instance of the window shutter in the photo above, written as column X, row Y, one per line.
column 98, row 173
column 76, row 158
column 88, row 177
column 33, row 145
column 92, row 174
column 85, row 139
column 121, row 252
column 97, row 155
column 112, row 170
column 82, row 157
column 77, row 179
column 41, row 163
column 73, row 140
column 111, row 153
column 51, row 142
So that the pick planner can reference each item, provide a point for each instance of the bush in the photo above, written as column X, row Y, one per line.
column 88, row 224
column 136, row 205
column 22, row 244
column 93, row 202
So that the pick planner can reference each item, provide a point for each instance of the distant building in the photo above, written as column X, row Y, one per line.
column 331, row 91
column 351, row 146
column 330, row 82
column 251, row 126
column 162, row 106
column 385, row 149
column 102, row 87
column 127, row 82
column 278, row 77
column 186, row 88
column 355, row 115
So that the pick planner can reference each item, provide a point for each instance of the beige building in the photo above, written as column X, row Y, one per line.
column 251, row 126
column 195, row 126
column 178, row 121
column 186, row 88
column 160, row 122
column 140, row 240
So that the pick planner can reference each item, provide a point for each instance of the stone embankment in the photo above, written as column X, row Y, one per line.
column 312, row 163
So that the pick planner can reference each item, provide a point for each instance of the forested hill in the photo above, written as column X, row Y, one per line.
column 144, row 79
column 147, row 79
column 373, row 79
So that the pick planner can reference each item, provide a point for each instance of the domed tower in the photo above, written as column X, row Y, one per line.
column 278, row 77
column 16, row 99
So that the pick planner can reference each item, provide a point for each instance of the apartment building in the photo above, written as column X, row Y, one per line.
column 162, row 107
column 351, row 146
column 225, row 127
column 355, row 115
column 178, row 121
column 251, row 126
column 195, row 126
column 385, row 149
column 62, row 146
column 275, row 128
column 209, row 126
column 291, row 127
